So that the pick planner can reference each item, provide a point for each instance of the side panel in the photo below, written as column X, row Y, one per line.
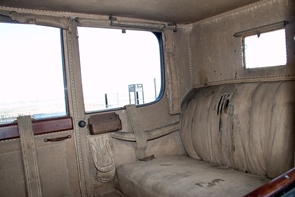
column 217, row 54
column 150, row 117
column 56, row 162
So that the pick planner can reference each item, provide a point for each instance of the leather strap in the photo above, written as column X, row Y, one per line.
column 29, row 156
column 140, row 135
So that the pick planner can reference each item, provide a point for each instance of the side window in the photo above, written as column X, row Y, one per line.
column 119, row 68
column 32, row 77
column 265, row 50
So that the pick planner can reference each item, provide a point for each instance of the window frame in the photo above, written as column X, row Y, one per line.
column 258, row 34
column 50, row 124
column 257, row 31
column 158, row 35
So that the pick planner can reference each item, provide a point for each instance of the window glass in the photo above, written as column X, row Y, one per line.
column 118, row 67
column 265, row 50
column 32, row 81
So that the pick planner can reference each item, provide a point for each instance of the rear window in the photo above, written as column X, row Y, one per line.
column 119, row 67
column 265, row 50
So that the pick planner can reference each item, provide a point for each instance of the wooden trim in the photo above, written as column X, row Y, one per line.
column 275, row 186
column 10, row 131
column 49, row 126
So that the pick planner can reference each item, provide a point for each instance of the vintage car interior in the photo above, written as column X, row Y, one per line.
column 147, row 98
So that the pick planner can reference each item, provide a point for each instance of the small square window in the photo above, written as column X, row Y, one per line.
column 265, row 50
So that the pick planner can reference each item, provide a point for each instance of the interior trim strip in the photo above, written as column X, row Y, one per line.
column 150, row 134
column 262, row 29
column 39, row 127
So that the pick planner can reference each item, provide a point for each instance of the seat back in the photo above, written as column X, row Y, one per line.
column 246, row 126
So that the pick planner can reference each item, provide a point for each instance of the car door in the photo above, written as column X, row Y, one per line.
column 37, row 124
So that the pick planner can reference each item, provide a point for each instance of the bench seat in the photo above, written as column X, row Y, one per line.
column 184, row 176
column 248, row 127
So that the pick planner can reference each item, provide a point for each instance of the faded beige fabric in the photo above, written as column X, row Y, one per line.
column 183, row 176
column 247, row 126
column 172, row 72
column 11, row 170
column 233, row 128
column 29, row 156
column 102, row 154
column 169, row 145
column 140, row 135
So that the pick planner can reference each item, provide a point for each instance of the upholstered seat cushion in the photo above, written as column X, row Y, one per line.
column 183, row 176
column 246, row 126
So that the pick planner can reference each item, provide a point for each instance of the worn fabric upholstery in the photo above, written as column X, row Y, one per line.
column 183, row 176
column 234, row 135
column 247, row 126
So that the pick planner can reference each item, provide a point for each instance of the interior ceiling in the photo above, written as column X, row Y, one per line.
column 172, row 11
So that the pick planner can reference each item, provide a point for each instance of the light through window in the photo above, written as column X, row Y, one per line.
column 119, row 68
column 265, row 50
column 32, row 79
